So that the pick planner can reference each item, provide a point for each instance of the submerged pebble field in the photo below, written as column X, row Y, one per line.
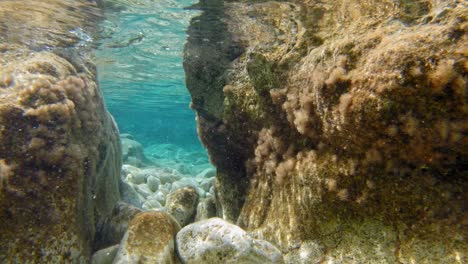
column 139, row 61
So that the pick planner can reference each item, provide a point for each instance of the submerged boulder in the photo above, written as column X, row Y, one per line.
column 105, row 255
column 206, row 209
column 182, row 204
column 129, row 194
column 149, row 239
column 111, row 230
column 337, row 120
column 217, row 241
column 132, row 152
column 59, row 147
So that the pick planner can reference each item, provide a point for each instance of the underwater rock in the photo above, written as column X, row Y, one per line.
column 207, row 173
column 128, row 169
column 149, row 239
column 59, row 147
column 182, row 204
column 132, row 153
column 164, row 175
column 159, row 196
column 129, row 194
column 105, row 255
column 217, row 241
column 143, row 190
column 111, row 230
column 184, row 182
column 206, row 209
column 352, row 110
column 151, row 204
column 206, row 184
column 153, row 183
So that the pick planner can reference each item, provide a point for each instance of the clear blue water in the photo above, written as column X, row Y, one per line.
column 140, row 71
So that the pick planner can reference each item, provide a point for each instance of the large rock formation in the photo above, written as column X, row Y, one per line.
column 338, row 128
column 59, row 147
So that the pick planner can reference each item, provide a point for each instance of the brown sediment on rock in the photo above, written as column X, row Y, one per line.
column 345, row 119
column 150, row 238
column 59, row 147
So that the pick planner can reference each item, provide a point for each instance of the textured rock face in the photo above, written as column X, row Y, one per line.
column 105, row 256
column 206, row 208
column 149, row 239
column 132, row 153
column 111, row 230
column 338, row 128
column 217, row 241
column 59, row 148
column 182, row 204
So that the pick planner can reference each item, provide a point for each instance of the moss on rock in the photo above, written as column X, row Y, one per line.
column 59, row 147
column 349, row 120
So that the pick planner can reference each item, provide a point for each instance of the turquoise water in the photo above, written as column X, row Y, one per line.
column 139, row 61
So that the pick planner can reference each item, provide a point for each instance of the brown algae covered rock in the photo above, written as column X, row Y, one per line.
column 345, row 119
column 149, row 239
column 182, row 204
column 59, row 147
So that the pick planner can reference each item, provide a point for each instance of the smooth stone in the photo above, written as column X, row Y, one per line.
column 105, row 256
column 129, row 169
column 137, row 178
column 151, row 204
column 111, row 230
column 182, row 204
column 131, row 148
column 149, row 239
column 159, row 196
column 217, row 241
column 129, row 194
column 206, row 209
column 166, row 177
column 134, row 162
column 201, row 192
column 153, row 183
column 207, row 183
column 207, row 173
column 184, row 182
column 143, row 190
column 166, row 188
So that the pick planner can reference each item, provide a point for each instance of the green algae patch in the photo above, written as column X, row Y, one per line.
column 261, row 73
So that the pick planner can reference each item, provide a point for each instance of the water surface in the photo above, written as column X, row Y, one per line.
column 139, row 61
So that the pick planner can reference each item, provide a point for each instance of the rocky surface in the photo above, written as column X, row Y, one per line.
column 338, row 128
column 217, row 241
column 206, row 208
column 110, row 230
column 167, row 189
column 59, row 147
column 182, row 205
column 105, row 255
column 132, row 152
column 149, row 239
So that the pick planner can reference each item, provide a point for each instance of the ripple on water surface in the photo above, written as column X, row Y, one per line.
column 139, row 62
